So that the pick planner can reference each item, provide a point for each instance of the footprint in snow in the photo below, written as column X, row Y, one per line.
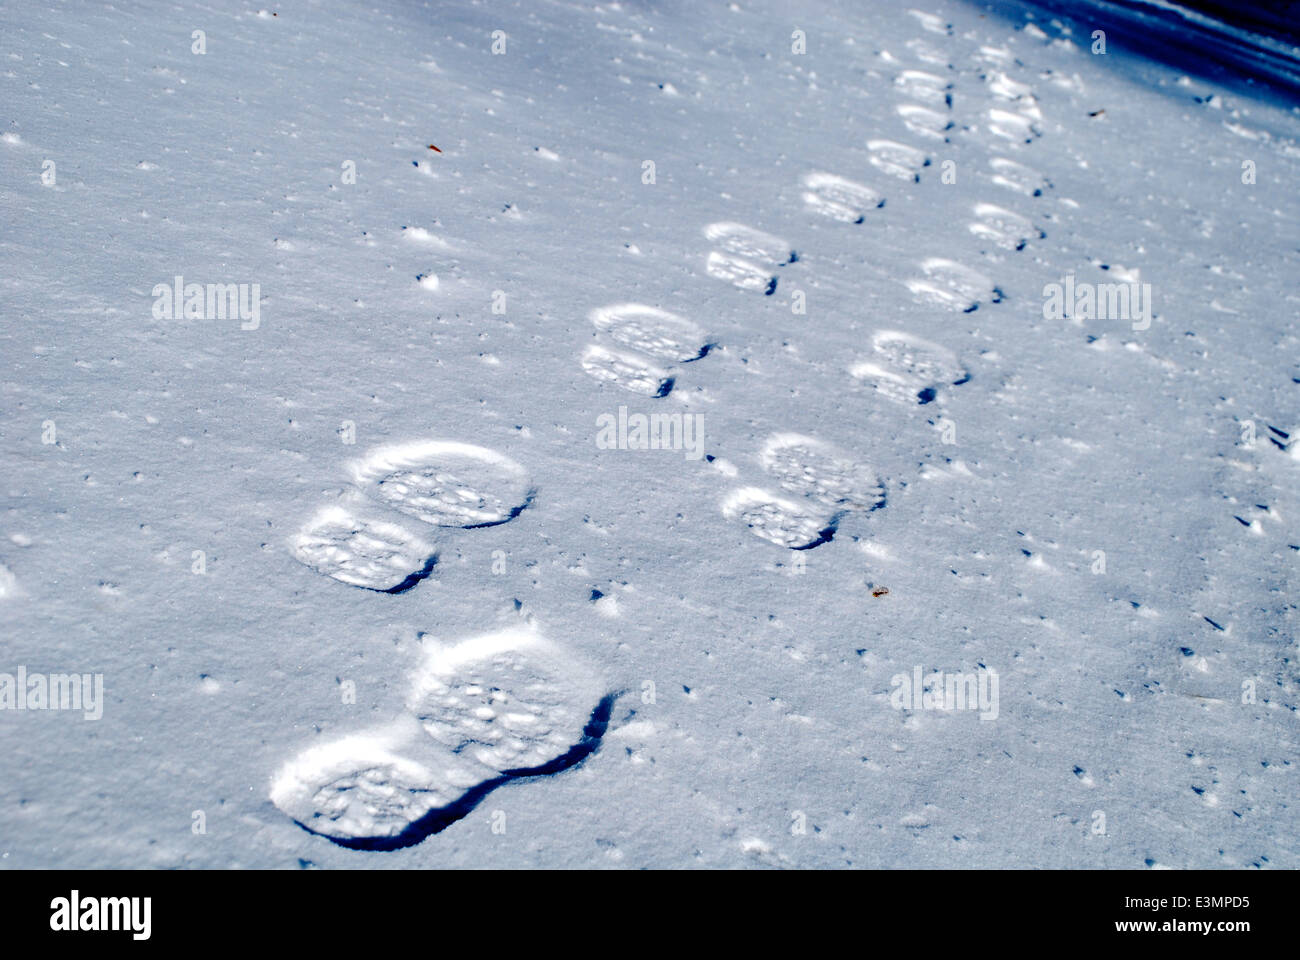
column 1015, row 126
column 746, row 258
column 925, row 88
column 819, row 485
column 906, row 369
column 1018, row 177
column 441, row 483
column 480, row 713
column 749, row 243
column 838, row 198
column 364, row 551
column 629, row 371
column 1015, row 115
column 1003, row 227
column 925, row 121
column 949, row 284
column 647, row 343
column 740, row 273
column 816, row 470
column 897, row 159
column 445, row 483
column 658, row 333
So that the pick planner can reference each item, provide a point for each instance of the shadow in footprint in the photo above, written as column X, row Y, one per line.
column 704, row 352
column 435, row 821
column 824, row 535
column 514, row 512
column 414, row 578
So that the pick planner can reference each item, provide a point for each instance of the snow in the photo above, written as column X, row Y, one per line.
column 270, row 537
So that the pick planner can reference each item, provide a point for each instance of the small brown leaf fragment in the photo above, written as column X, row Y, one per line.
column 879, row 591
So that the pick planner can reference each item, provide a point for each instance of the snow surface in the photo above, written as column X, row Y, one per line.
column 1078, row 506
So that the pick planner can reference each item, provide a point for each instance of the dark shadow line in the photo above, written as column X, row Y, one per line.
column 528, row 502
column 825, row 535
column 436, row 821
column 704, row 352
column 415, row 577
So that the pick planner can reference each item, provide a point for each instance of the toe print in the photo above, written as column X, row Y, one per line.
column 446, row 484
column 363, row 551
column 780, row 520
column 840, row 199
column 510, row 701
column 907, row 369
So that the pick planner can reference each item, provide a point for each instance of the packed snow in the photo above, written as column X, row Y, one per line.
column 628, row 435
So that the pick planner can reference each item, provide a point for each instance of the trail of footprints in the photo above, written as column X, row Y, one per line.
column 479, row 713
column 513, row 703
column 1015, row 116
